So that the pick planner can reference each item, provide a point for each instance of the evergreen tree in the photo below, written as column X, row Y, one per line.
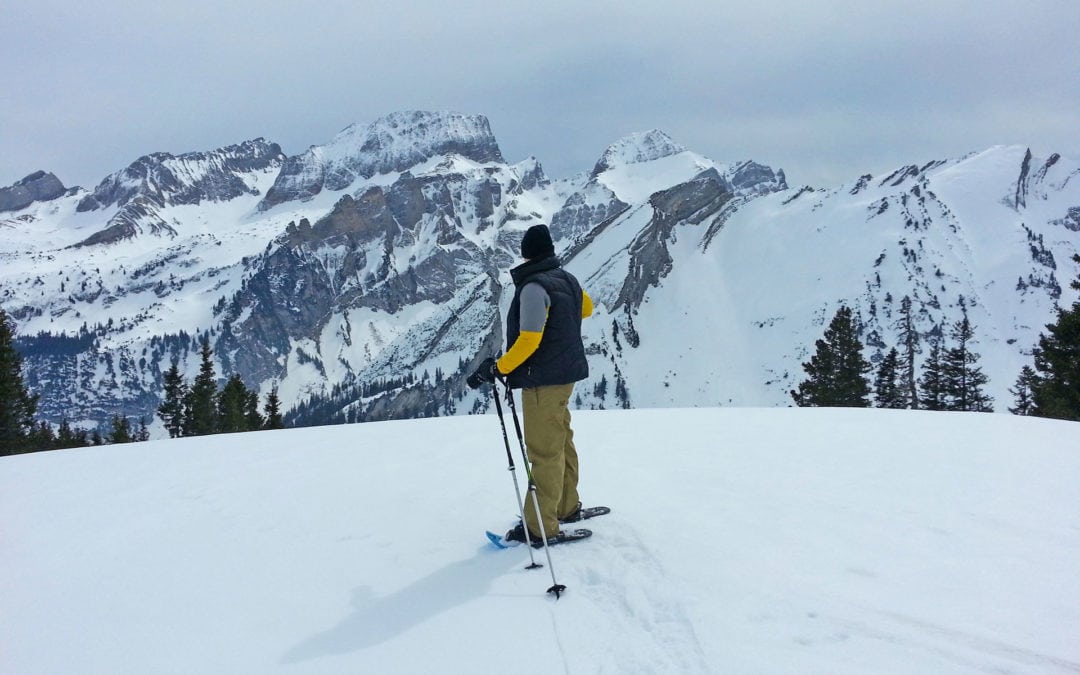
column 143, row 433
column 253, row 421
column 621, row 392
column 66, row 436
column 962, row 380
column 171, row 410
column 1023, row 392
column 932, row 381
column 272, row 409
column 837, row 371
column 43, row 437
column 909, row 343
column 232, row 406
column 600, row 389
column 17, row 405
column 889, row 390
column 121, row 430
column 1057, row 359
column 200, row 403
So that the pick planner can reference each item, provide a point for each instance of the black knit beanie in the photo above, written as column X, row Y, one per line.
column 537, row 243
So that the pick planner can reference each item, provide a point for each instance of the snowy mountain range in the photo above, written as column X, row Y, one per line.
column 365, row 275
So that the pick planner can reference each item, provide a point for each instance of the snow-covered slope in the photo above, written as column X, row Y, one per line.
column 740, row 295
column 740, row 541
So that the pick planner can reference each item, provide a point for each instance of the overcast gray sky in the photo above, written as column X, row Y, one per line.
column 826, row 90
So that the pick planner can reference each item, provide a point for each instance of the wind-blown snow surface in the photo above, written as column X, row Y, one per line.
column 741, row 541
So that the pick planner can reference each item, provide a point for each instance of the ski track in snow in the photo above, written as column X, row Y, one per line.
column 950, row 645
column 629, row 589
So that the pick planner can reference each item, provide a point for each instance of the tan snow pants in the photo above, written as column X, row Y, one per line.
column 550, row 443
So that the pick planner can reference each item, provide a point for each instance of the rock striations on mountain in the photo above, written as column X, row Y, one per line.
column 390, row 144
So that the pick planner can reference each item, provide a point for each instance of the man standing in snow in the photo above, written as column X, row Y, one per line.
column 545, row 356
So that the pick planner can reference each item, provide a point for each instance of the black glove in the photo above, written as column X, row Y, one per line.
column 487, row 372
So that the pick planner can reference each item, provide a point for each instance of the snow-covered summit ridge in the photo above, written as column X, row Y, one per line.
column 393, row 143
column 406, row 135
column 637, row 165
column 636, row 148
column 189, row 178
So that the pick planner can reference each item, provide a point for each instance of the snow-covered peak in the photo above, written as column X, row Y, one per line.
column 402, row 139
column 394, row 143
column 531, row 173
column 638, row 147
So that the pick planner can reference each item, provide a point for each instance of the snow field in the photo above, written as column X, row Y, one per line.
column 741, row 540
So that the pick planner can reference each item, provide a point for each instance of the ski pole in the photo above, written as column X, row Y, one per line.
column 517, row 488
column 556, row 587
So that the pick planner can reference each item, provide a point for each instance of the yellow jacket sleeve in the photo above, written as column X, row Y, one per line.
column 586, row 305
column 526, row 343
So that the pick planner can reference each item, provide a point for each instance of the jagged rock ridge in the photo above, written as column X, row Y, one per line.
column 158, row 180
column 190, row 178
column 39, row 186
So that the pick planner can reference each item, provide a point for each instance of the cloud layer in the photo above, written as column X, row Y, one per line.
column 825, row 90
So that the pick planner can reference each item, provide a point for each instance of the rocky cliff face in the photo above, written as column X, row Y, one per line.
column 584, row 211
column 37, row 187
column 751, row 178
column 650, row 261
column 424, row 241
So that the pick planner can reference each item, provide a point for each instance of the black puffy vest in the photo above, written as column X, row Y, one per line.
column 560, row 358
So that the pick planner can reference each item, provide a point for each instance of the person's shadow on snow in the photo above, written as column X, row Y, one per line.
column 377, row 619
